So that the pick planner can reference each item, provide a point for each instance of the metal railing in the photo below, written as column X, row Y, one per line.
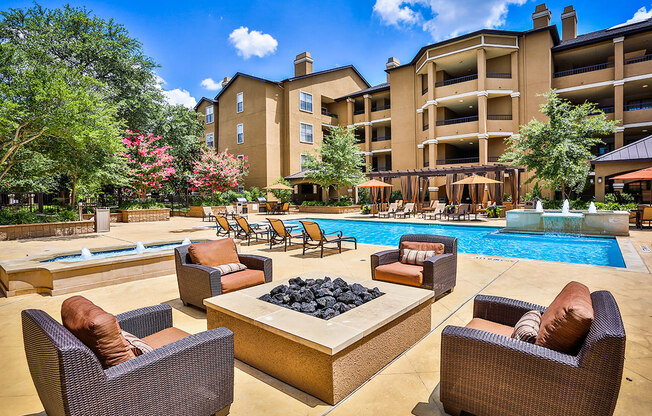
column 381, row 107
column 504, row 75
column 606, row 110
column 499, row 117
column 645, row 105
column 493, row 159
column 381, row 138
column 325, row 112
column 638, row 59
column 474, row 159
column 357, row 112
column 426, row 127
column 457, row 120
column 583, row 69
column 456, row 80
column 424, row 91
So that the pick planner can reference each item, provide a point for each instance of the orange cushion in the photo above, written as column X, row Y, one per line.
column 214, row 253
column 243, row 279
column 165, row 337
column 438, row 248
column 98, row 329
column 567, row 320
column 490, row 326
column 397, row 272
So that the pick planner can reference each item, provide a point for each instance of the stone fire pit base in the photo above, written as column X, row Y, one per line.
column 327, row 359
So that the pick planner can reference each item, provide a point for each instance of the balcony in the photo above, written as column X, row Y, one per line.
column 358, row 112
column 638, row 59
column 502, row 75
column 456, row 80
column 459, row 160
column 638, row 65
column 639, row 112
column 583, row 76
column 493, row 159
column 458, row 120
column 381, row 138
column 583, row 69
column 325, row 112
column 424, row 91
column 426, row 127
column 499, row 117
column 500, row 123
column 381, row 107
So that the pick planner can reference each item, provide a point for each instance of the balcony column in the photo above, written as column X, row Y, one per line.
column 619, row 93
column 482, row 69
column 483, row 148
column 482, row 111
column 430, row 68
column 367, row 122
column 514, row 61
column 349, row 111
column 515, row 105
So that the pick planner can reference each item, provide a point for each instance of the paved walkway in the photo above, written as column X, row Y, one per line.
column 409, row 385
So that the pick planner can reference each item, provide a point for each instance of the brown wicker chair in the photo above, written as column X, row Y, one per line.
column 197, row 282
column 224, row 228
column 280, row 234
column 191, row 376
column 489, row 374
column 315, row 237
column 439, row 272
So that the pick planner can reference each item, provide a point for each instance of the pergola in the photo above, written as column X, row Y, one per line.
column 422, row 175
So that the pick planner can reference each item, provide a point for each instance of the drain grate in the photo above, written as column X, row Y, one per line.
column 645, row 249
column 493, row 258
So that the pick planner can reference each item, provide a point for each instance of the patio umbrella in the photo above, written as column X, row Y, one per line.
column 475, row 180
column 374, row 186
column 639, row 175
column 279, row 186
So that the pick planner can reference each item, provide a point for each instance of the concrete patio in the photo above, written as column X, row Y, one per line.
column 408, row 385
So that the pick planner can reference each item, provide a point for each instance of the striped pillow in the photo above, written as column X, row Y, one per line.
column 416, row 256
column 230, row 268
column 527, row 328
column 137, row 345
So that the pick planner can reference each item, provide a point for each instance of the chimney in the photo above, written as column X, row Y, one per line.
column 391, row 63
column 568, row 23
column 225, row 81
column 303, row 64
column 541, row 16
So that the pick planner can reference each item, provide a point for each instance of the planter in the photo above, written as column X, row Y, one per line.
column 145, row 215
column 115, row 217
column 48, row 229
column 331, row 210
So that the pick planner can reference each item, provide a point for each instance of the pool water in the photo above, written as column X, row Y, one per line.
column 487, row 240
column 112, row 253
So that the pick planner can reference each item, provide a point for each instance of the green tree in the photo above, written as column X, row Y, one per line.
column 559, row 151
column 340, row 162
column 283, row 195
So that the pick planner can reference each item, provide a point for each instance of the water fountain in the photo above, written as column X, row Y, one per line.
column 590, row 222
column 86, row 254
column 140, row 247
column 186, row 241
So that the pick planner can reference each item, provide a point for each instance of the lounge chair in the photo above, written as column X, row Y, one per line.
column 207, row 213
column 393, row 208
column 224, row 227
column 438, row 210
column 316, row 237
column 285, row 208
column 647, row 216
column 407, row 211
column 230, row 212
column 246, row 231
column 279, row 234
column 461, row 213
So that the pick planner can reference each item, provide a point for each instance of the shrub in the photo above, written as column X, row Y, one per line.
column 23, row 216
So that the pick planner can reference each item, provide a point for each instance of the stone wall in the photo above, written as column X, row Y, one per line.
column 145, row 215
column 21, row 231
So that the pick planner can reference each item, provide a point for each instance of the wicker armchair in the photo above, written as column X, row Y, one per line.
column 439, row 272
column 197, row 282
column 488, row 374
column 192, row 376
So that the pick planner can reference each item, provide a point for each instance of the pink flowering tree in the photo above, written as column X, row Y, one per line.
column 218, row 172
column 149, row 166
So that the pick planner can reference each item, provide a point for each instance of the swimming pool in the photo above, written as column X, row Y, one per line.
column 87, row 255
column 487, row 240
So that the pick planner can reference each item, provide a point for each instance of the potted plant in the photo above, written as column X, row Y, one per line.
column 493, row 211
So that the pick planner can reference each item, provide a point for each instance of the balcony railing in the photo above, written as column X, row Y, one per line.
column 638, row 59
column 645, row 105
column 584, row 69
column 504, row 75
column 359, row 139
column 456, row 80
column 357, row 112
column 424, row 91
column 606, row 110
column 426, row 127
column 381, row 107
column 474, row 159
column 381, row 138
column 325, row 112
column 499, row 117
column 457, row 120
column 493, row 159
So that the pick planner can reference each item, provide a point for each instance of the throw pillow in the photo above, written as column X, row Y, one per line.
column 438, row 248
column 416, row 256
column 527, row 328
column 137, row 345
column 214, row 253
column 230, row 268
column 567, row 320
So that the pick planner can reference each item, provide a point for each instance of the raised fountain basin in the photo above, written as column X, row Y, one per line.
column 600, row 223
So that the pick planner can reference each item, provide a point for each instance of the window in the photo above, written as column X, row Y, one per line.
column 240, row 103
column 305, row 101
column 209, row 114
column 210, row 140
column 240, row 157
column 306, row 133
column 240, row 134
column 304, row 159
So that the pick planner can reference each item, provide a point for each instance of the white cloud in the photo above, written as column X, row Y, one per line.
column 252, row 43
column 211, row 85
column 177, row 95
column 640, row 15
column 445, row 18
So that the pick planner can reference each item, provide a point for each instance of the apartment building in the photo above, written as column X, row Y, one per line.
column 457, row 100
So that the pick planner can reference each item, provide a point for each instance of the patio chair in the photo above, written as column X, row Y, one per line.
column 393, row 208
column 285, row 208
column 70, row 379
column 229, row 211
column 462, row 212
column 279, row 234
column 437, row 273
column 407, row 211
column 400, row 203
column 224, row 227
column 438, row 210
column 315, row 237
column 247, row 231
column 647, row 216
column 199, row 279
column 207, row 213
column 487, row 373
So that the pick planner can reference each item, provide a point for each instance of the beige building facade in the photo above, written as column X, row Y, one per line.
column 453, row 104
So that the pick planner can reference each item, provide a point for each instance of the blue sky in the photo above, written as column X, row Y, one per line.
column 200, row 40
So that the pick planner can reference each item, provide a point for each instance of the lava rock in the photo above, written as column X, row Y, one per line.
column 358, row 289
column 266, row 297
column 279, row 289
column 326, row 301
column 328, row 313
column 347, row 297
column 307, row 307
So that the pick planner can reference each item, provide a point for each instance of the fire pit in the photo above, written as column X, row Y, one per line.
column 322, row 298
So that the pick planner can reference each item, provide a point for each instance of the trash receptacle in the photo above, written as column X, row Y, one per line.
column 102, row 220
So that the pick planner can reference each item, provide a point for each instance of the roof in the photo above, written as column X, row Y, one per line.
column 326, row 71
column 376, row 88
column 605, row 34
column 298, row 175
column 552, row 28
column 242, row 74
column 202, row 99
column 639, row 151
